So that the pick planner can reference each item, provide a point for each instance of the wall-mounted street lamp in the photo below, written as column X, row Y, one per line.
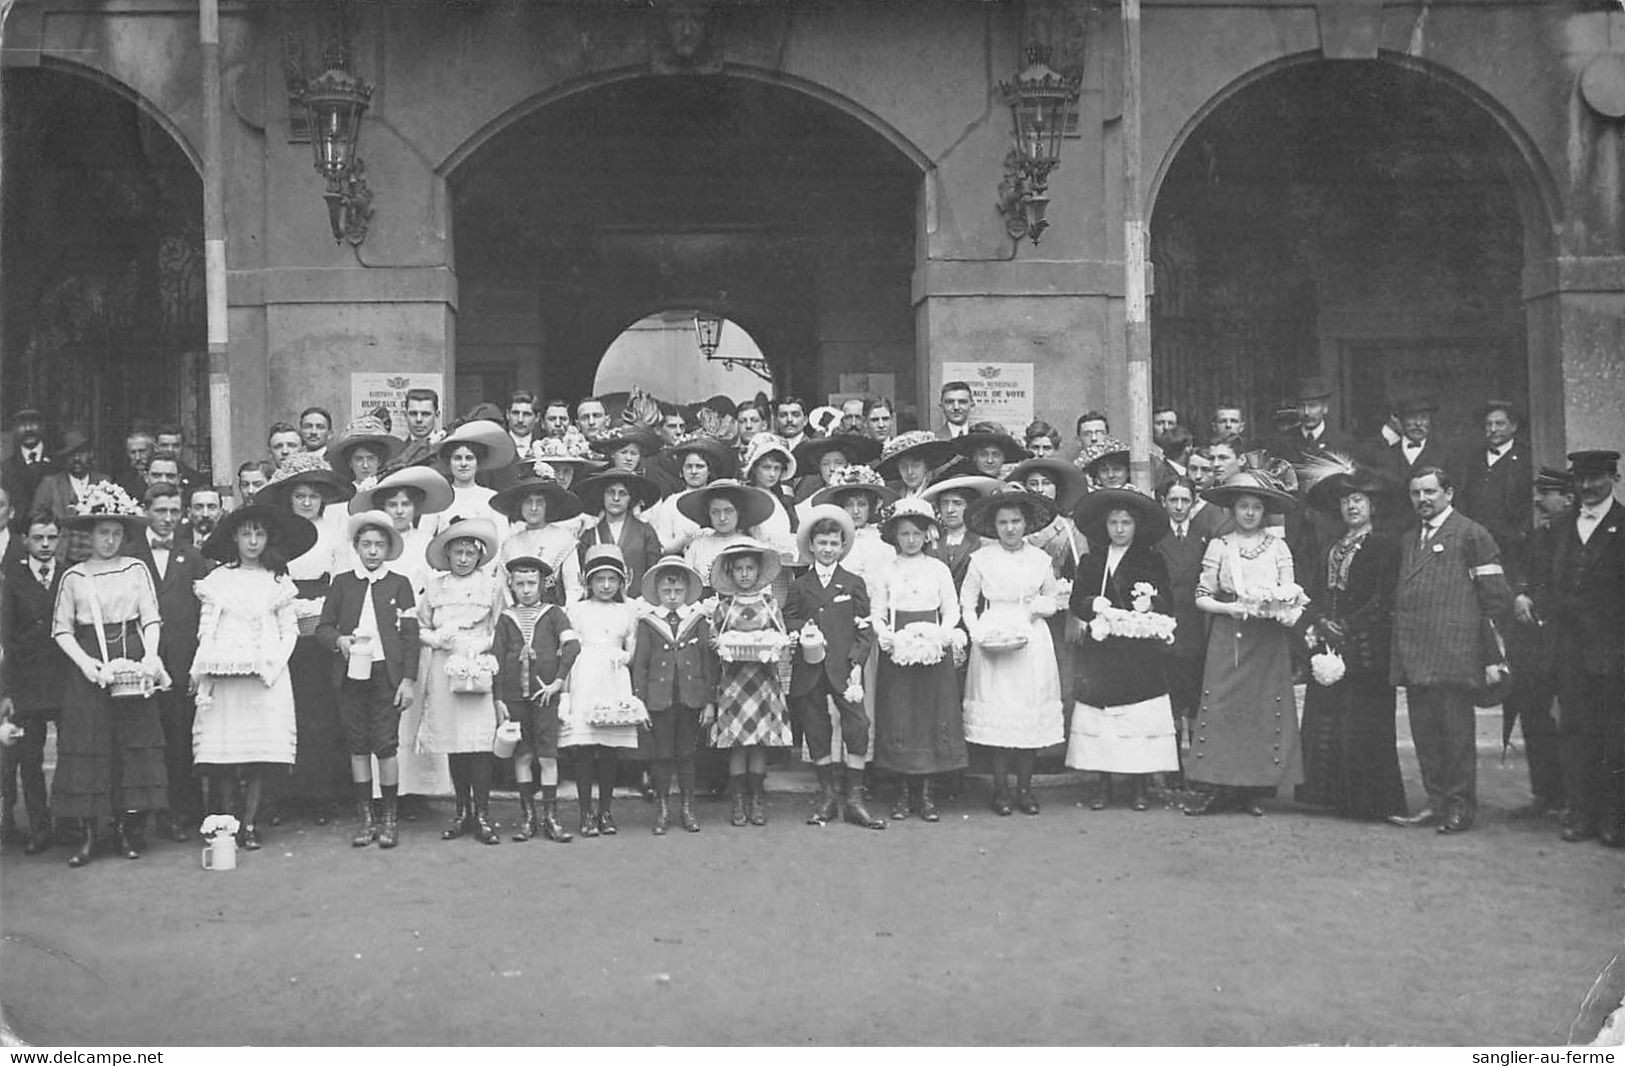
column 335, row 101
column 1039, row 100
column 708, row 336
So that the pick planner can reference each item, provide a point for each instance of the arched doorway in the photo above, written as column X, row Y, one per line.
column 101, row 252
column 1361, row 220
column 661, row 353
column 747, row 198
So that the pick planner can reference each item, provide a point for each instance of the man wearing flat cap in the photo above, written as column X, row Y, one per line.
column 1586, row 598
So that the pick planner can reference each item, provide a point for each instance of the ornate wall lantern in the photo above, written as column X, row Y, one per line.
column 1039, row 100
column 707, row 332
column 335, row 100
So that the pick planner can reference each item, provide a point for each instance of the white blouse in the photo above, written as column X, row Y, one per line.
column 912, row 583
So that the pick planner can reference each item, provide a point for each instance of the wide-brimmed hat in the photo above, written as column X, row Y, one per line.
column 915, row 444
column 1252, row 483
column 493, row 446
column 761, row 446
column 603, row 557
column 722, row 459
column 73, row 440
column 971, row 486
column 570, row 450
column 590, row 490
column 105, row 501
column 851, row 479
column 1326, row 493
column 671, row 564
column 376, row 520
column 817, row 514
column 1070, row 482
column 561, row 502
column 974, row 441
column 366, row 430
column 857, row 449
column 289, row 534
column 1312, row 388
column 481, row 529
column 435, row 489
column 306, row 468
column 1039, row 511
column 723, row 582
column 646, row 439
column 912, row 508
column 1150, row 522
column 754, row 505
column 1109, row 448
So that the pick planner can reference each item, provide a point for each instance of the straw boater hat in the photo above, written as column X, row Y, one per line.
column 1039, row 511
column 671, row 564
column 1110, row 448
column 536, row 480
column 910, row 507
column 972, row 487
column 723, row 581
column 367, row 430
column 721, row 458
column 819, row 513
column 754, row 505
column 106, row 502
column 306, row 468
column 915, row 444
column 434, row 489
column 1150, row 523
column 859, row 450
column 1252, row 483
column 970, row 443
column 590, row 490
column 289, row 534
column 764, row 444
column 481, row 529
column 493, row 446
column 375, row 520
column 851, row 479
column 570, row 450
column 604, row 557
column 1070, row 482
column 645, row 438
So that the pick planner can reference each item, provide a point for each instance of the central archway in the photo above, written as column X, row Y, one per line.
column 760, row 202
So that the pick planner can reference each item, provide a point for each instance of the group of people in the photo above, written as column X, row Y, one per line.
column 375, row 618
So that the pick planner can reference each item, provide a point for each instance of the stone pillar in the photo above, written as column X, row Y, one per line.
column 1576, row 315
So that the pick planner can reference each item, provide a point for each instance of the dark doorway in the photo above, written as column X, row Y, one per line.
column 749, row 199
column 101, row 259
column 1351, row 219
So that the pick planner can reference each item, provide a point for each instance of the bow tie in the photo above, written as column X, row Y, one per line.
column 163, row 545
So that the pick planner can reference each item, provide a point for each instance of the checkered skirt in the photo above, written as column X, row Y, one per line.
column 750, row 708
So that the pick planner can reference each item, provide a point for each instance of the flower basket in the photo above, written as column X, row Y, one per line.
column 471, row 674
column 307, row 614
column 758, row 646
column 622, row 712
column 921, row 644
column 999, row 640
column 128, row 679
column 1133, row 625
column 1278, row 603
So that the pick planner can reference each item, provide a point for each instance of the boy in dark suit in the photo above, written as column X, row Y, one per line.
column 370, row 704
column 836, row 601
column 175, row 565
column 33, row 670
column 675, row 674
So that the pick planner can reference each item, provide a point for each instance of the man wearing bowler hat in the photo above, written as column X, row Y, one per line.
column 1586, row 613
column 27, row 465
column 59, row 492
column 1308, row 529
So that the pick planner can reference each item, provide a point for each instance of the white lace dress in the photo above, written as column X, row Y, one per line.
column 246, row 634
column 1012, row 698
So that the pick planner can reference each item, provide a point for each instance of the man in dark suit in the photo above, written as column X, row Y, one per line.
column 32, row 674
column 1452, row 590
column 956, row 402
column 1417, row 447
column 175, row 565
column 138, row 448
column 1309, row 530
column 1587, row 618
column 59, row 491
column 27, row 465
column 1496, row 480
column 837, row 602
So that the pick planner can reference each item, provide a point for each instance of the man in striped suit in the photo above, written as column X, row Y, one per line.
column 1451, row 592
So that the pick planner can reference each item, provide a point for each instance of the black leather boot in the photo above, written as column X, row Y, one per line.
column 685, row 812
column 758, row 798
column 852, row 803
column 901, row 796
column 928, row 806
column 459, row 822
column 365, row 831
column 483, row 830
column 736, row 816
column 662, row 814
column 527, row 818
column 389, row 832
column 827, row 805
column 551, row 829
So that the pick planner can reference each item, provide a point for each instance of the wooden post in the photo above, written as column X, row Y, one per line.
column 214, row 247
column 1136, row 320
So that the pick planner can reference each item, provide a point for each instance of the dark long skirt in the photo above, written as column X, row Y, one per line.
column 110, row 752
column 1246, row 731
column 919, row 727
column 1350, row 762
column 321, row 769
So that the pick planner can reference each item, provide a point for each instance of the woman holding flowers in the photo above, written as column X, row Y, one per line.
column 1245, row 743
column 1122, row 722
column 110, row 748
column 919, row 731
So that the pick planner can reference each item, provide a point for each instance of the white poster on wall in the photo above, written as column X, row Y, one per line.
column 1003, row 392
column 368, row 392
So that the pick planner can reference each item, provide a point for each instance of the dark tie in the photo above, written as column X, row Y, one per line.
column 163, row 545
column 45, row 575
column 672, row 620
column 1179, row 532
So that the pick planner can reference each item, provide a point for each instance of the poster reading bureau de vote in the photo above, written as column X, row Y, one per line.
column 368, row 392
column 1003, row 392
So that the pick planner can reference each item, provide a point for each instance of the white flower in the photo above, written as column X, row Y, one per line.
column 1327, row 668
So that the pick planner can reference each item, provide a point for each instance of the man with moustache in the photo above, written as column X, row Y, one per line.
column 315, row 429
column 59, row 493
column 1416, row 447
column 203, row 510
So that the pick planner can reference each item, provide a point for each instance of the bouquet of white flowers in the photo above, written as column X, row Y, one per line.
column 1135, row 625
column 923, row 643
column 756, row 646
column 627, row 711
column 219, row 825
column 1327, row 667
column 471, row 673
column 1281, row 603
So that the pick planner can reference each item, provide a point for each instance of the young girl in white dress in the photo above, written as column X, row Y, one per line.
column 1012, row 688
column 599, row 690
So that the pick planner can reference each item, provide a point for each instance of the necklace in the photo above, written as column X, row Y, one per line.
column 1250, row 554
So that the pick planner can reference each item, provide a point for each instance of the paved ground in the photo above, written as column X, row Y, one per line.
column 1073, row 927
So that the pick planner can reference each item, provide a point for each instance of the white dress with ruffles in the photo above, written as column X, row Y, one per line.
column 246, row 633
column 1012, row 698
